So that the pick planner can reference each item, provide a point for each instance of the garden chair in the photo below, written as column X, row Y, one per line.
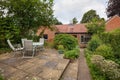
column 41, row 40
column 23, row 41
column 28, row 48
column 16, row 50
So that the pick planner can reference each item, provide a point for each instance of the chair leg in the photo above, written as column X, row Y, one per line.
column 33, row 53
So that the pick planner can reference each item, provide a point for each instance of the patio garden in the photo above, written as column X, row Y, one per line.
column 21, row 19
column 49, row 59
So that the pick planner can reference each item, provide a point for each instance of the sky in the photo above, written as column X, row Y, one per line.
column 66, row 10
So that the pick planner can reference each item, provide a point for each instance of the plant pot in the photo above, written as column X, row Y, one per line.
column 60, row 51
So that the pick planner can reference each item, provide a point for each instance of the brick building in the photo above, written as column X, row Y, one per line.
column 78, row 30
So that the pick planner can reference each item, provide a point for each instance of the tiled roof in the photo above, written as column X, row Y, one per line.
column 72, row 28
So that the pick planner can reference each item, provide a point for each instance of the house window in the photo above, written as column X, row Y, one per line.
column 85, row 39
column 45, row 36
column 82, row 39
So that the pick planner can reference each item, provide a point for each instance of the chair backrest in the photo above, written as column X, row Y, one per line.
column 28, row 45
column 11, row 46
column 23, row 41
column 41, row 40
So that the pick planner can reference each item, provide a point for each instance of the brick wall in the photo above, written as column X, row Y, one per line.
column 51, row 34
column 113, row 23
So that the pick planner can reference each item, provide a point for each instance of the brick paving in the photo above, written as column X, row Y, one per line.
column 46, row 65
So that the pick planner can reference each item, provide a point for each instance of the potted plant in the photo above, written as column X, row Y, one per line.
column 60, row 49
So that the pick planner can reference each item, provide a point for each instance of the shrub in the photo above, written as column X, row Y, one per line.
column 60, row 47
column 72, row 54
column 68, row 41
column 111, row 70
column 108, row 67
column 105, row 51
column 112, row 38
column 97, row 59
column 94, row 70
column 94, row 43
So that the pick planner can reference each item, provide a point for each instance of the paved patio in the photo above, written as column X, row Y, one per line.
column 46, row 65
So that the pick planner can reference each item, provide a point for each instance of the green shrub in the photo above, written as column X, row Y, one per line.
column 108, row 67
column 72, row 54
column 112, row 38
column 60, row 47
column 68, row 41
column 105, row 51
column 94, row 70
column 94, row 43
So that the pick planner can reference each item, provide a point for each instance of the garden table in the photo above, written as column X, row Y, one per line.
column 35, row 44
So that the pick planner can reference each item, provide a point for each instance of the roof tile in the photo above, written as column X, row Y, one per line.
column 69, row 28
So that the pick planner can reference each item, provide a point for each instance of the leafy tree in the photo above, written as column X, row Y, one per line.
column 96, row 27
column 113, row 8
column 74, row 20
column 7, row 30
column 57, row 22
column 27, row 14
column 89, row 16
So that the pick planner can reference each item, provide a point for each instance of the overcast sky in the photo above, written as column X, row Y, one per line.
column 66, row 10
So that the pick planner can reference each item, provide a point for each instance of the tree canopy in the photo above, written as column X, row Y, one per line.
column 57, row 22
column 113, row 8
column 18, row 17
column 27, row 14
column 89, row 16
column 96, row 27
column 74, row 20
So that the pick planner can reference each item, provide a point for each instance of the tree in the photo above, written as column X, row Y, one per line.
column 7, row 31
column 28, row 14
column 74, row 20
column 57, row 22
column 89, row 16
column 113, row 8
column 96, row 27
